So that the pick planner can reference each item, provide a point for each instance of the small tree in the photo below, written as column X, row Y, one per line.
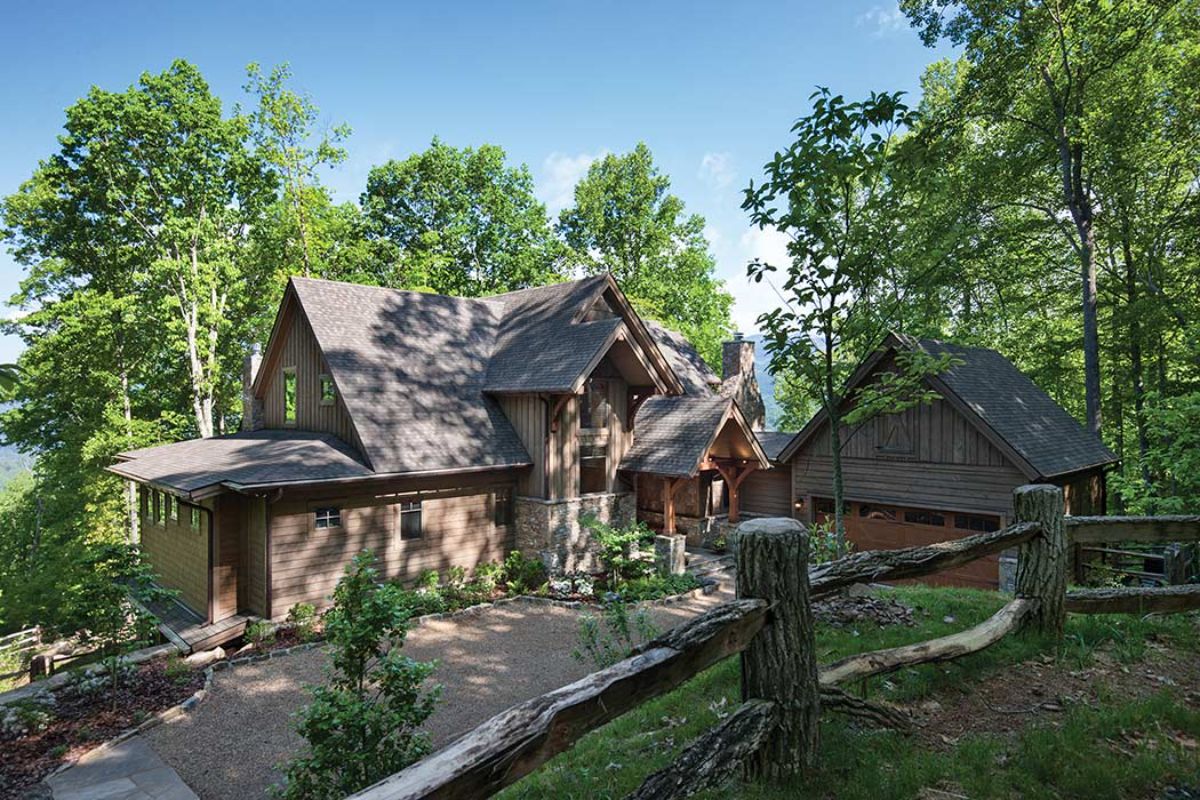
column 364, row 724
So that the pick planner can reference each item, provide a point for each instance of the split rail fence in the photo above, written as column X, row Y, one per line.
column 773, row 733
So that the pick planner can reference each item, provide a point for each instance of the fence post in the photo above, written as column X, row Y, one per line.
column 1043, row 562
column 780, row 664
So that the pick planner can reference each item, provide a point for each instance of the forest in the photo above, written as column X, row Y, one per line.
column 1039, row 198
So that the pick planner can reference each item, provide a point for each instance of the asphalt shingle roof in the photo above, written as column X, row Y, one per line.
column 773, row 442
column 1020, row 413
column 251, row 458
column 689, row 367
column 672, row 433
column 411, row 368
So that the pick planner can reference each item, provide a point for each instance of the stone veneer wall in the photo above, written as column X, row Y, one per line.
column 551, row 529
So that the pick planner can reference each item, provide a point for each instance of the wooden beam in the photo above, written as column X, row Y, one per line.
column 1109, row 530
column 557, row 412
column 515, row 742
column 670, row 487
column 1134, row 600
column 893, row 565
column 881, row 662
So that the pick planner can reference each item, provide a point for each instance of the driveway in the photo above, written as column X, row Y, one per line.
column 229, row 746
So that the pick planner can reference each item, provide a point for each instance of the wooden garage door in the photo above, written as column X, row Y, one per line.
column 874, row 526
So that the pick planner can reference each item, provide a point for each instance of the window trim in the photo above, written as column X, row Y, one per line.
column 284, row 373
column 411, row 508
column 331, row 516
column 323, row 380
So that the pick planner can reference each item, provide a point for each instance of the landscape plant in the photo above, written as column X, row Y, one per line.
column 614, row 634
column 365, row 722
column 620, row 549
column 302, row 618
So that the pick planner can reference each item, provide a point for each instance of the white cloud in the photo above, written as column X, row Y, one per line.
column 882, row 20
column 717, row 169
column 560, row 173
column 750, row 299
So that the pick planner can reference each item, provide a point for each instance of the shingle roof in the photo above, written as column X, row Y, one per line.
column 773, row 442
column 672, row 433
column 410, row 368
column 693, row 372
column 249, row 458
column 1019, row 412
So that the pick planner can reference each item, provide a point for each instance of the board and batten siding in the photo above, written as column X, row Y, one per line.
column 458, row 529
column 178, row 553
column 298, row 348
column 527, row 413
column 253, row 588
column 767, row 493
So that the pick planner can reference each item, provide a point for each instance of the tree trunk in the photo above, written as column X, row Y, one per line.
column 1136, row 368
column 1042, row 564
column 833, row 411
column 780, row 663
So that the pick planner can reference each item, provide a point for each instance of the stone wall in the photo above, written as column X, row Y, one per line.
column 550, row 529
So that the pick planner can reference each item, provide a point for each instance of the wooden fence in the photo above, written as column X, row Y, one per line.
column 16, row 652
column 774, row 732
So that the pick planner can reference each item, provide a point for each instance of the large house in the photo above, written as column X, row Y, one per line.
column 937, row 471
column 441, row 431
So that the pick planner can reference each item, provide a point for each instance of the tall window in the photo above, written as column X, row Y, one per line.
column 156, row 501
column 195, row 518
column 593, row 405
column 328, row 392
column 289, row 395
column 410, row 520
column 173, row 508
column 503, row 510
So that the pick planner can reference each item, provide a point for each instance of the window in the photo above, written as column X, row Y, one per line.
column 173, row 508
column 925, row 518
column 410, row 520
column 328, row 392
column 503, row 507
column 195, row 518
column 289, row 395
column 875, row 512
column 156, row 507
column 328, row 517
column 593, row 405
column 975, row 522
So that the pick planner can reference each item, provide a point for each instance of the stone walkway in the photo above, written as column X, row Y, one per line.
column 131, row 770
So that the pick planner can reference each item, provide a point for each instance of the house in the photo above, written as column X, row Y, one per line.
column 941, row 470
column 441, row 431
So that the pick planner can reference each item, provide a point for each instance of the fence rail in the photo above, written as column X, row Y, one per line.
column 773, row 734
column 16, row 651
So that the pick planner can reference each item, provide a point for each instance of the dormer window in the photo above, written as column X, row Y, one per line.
column 328, row 392
column 289, row 395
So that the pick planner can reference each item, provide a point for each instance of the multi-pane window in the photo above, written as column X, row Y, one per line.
column 156, row 507
column 328, row 392
column 173, row 508
column 410, row 520
column 195, row 518
column 328, row 517
column 503, row 510
column 921, row 517
column 593, row 405
column 976, row 522
column 289, row 395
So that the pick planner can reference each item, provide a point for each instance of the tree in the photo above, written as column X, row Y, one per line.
column 462, row 222
column 365, row 723
column 1037, row 69
column 838, row 193
column 626, row 221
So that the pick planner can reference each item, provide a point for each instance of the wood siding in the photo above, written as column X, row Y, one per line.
column 253, row 586
column 767, row 492
column 297, row 347
column 306, row 563
column 229, row 518
column 620, row 438
column 564, row 453
column 527, row 413
column 177, row 553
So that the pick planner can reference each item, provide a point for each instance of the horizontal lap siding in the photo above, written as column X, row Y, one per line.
column 306, row 564
column 178, row 555
column 767, row 492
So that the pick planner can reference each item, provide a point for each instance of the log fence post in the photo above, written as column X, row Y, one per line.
column 1043, row 562
column 780, row 665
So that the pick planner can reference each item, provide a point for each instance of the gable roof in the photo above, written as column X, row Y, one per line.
column 674, row 434
column 773, row 443
column 1014, row 413
column 253, row 458
column 694, row 374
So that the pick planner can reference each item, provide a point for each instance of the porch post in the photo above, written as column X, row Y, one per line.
column 668, row 506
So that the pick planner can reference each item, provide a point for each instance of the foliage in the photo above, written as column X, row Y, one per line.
column 824, row 544
column 365, row 722
column 614, row 635
column 626, row 221
column 522, row 574
column 488, row 575
column 260, row 633
column 302, row 618
column 427, row 580
column 656, row 587
column 177, row 669
column 621, row 548
column 462, row 222
column 1173, row 455
column 578, row 584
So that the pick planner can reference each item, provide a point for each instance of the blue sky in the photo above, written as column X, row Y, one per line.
column 711, row 87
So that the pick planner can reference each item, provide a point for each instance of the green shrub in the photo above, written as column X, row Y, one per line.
column 621, row 549
column 456, row 576
column 419, row 603
column 365, row 722
column 302, row 617
column 654, row 587
column 260, row 633
column 523, row 574
column 176, row 669
column 614, row 635
column 488, row 575
column 427, row 580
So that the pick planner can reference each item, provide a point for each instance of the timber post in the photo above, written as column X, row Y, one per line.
column 779, row 664
column 1043, row 562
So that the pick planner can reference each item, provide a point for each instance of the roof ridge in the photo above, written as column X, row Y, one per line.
column 543, row 287
column 488, row 301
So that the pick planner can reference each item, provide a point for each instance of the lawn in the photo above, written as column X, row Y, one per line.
column 1112, row 712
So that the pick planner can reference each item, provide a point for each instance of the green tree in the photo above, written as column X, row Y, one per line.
column 626, row 221
column 838, row 193
column 365, row 722
column 462, row 222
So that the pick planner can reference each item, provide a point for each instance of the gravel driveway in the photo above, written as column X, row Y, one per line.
column 228, row 747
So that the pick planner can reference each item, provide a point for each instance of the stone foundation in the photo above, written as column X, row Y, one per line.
column 550, row 529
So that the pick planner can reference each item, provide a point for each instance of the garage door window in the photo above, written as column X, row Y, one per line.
column 975, row 522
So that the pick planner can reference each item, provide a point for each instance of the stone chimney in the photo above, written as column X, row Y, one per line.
column 738, row 380
column 252, row 407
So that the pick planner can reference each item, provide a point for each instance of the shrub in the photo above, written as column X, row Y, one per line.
column 176, row 669
column 654, row 587
column 260, row 633
column 365, row 723
column 302, row 617
column 427, row 580
column 823, row 543
column 578, row 583
column 621, row 549
column 523, row 574
column 456, row 576
column 614, row 635
column 418, row 603
column 488, row 575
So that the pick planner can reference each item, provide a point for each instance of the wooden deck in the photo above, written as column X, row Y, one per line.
column 187, row 630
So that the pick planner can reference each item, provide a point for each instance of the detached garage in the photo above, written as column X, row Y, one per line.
column 946, row 469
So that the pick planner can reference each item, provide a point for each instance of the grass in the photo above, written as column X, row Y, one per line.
column 1118, row 748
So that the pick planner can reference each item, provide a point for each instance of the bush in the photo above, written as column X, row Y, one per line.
column 521, row 574
column 302, row 618
column 427, row 580
column 456, row 576
column 365, row 723
column 418, row 603
column 176, row 669
column 621, row 549
column 488, row 575
column 655, row 587
column 614, row 635
column 575, row 584
column 260, row 633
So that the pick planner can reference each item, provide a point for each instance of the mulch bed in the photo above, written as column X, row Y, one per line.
column 84, row 721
